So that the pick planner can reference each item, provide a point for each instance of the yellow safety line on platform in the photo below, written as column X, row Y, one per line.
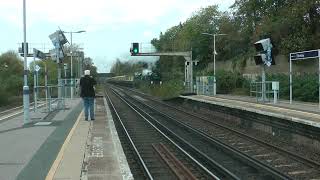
column 56, row 163
column 270, row 107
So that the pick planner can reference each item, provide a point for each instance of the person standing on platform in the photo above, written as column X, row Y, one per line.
column 87, row 93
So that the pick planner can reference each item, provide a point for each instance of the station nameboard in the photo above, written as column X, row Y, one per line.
column 304, row 55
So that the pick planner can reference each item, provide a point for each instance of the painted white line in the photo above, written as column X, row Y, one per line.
column 42, row 123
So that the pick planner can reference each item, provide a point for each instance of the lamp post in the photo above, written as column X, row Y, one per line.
column 71, row 66
column 214, row 59
column 26, row 114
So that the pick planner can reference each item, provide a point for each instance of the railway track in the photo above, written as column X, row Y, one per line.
column 282, row 161
column 16, row 111
column 13, row 112
column 158, row 155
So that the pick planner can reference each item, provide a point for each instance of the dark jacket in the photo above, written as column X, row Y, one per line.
column 86, row 85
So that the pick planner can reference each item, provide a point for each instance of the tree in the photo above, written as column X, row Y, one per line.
column 291, row 25
column 11, row 71
column 89, row 65
column 127, row 68
column 184, row 37
column 52, row 68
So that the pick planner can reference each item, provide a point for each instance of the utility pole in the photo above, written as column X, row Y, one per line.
column 71, row 57
column 214, row 60
column 26, row 113
column 263, row 79
column 46, row 83
column 65, row 79
column 214, row 66
column 59, row 87
column 34, row 81
column 71, row 52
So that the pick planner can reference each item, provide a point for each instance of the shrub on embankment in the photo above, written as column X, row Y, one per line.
column 305, row 86
column 11, row 71
column 229, row 82
column 169, row 89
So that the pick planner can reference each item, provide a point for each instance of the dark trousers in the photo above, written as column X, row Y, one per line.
column 88, row 105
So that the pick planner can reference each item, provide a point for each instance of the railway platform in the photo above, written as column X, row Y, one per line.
column 62, row 145
column 27, row 150
column 92, row 150
column 297, row 123
column 299, row 112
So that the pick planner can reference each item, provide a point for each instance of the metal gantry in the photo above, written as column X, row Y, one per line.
column 188, row 64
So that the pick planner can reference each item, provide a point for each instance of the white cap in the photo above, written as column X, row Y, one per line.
column 87, row 72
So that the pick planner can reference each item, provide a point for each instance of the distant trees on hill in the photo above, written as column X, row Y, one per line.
column 292, row 26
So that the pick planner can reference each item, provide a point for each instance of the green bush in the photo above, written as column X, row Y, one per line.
column 304, row 86
column 11, row 69
column 4, row 97
column 283, row 83
column 228, row 81
column 168, row 89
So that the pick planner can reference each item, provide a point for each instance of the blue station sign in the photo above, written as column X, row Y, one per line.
column 304, row 55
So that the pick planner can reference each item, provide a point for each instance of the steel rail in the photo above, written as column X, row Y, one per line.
column 9, row 116
column 226, row 172
column 261, row 165
column 279, row 149
column 130, row 140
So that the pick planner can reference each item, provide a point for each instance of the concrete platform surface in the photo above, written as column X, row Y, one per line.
column 93, row 150
column 305, row 113
column 68, row 163
column 27, row 150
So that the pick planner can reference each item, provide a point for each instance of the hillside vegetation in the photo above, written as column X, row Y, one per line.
column 292, row 25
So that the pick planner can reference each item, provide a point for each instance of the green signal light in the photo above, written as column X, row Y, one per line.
column 135, row 48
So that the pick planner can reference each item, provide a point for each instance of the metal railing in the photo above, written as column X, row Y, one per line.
column 271, row 93
column 49, row 95
column 68, row 84
column 205, row 85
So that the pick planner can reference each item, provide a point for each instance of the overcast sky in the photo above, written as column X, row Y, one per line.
column 110, row 25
